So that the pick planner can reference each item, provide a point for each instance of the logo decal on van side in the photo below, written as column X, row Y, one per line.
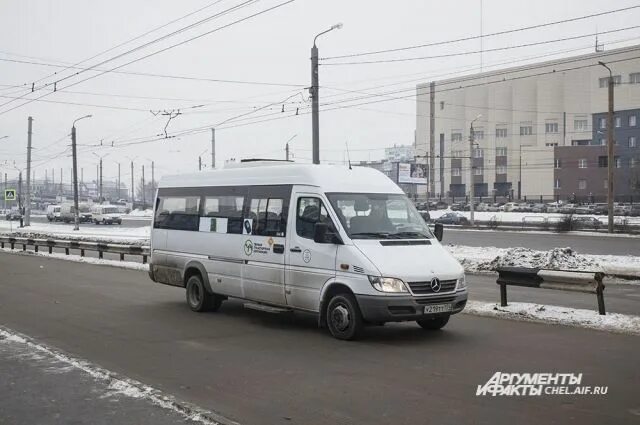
column 248, row 247
column 306, row 256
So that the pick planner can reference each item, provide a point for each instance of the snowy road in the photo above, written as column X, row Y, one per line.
column 258, row 368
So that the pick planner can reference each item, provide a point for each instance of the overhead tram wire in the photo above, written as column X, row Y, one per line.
column 163, row 50
column 467, row 69
column 222, row 13
column 148, row 74
column 474, row 52
column 439, row 43
column 134, row 38
column 337, row 105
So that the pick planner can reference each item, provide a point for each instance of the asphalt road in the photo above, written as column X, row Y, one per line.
column 38, row 388
column 259, row 368
column 542, row 241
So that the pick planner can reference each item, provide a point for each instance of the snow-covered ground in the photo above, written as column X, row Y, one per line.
column 487, row 259
column 612, row 322
column 87, row 232
column 517, row 217
column 148, row 213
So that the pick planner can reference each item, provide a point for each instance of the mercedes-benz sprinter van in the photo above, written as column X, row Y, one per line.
column 344, row 243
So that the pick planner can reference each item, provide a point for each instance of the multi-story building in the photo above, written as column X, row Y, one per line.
column 537, row 128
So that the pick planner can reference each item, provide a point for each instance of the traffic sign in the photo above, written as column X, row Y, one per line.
column 10, row 195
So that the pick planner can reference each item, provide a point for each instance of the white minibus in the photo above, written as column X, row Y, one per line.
column 346, row 244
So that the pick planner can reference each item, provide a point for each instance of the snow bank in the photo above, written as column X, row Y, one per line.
column 487, row 259
column 590, row 319
column 117, row 385
column 148, row 213
column 87, row 232
column 509, row 217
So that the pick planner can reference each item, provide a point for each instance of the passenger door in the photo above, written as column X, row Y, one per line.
column 265, row 228
column 309, row 264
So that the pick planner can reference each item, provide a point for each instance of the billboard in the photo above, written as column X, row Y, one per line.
column 411, row 173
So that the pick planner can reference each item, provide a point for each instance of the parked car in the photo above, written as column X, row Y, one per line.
column 13, row 215
column 509, row 206
column 458, row 206
column 635, row 210
column 586, row 223
column 452, row 218
column 568, row 208
column 425, row 216
column 539, row 208
column 106, row 214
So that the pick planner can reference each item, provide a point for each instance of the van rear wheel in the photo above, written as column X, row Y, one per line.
column 198, row 299
column 434, row 323
column 344, row 319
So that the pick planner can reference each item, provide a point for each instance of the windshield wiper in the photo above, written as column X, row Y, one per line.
column 382, row 235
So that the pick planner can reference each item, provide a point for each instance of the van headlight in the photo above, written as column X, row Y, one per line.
column 387, row 284
column 462, row 283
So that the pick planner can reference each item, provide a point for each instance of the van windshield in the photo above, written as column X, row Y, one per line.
column 379, row 216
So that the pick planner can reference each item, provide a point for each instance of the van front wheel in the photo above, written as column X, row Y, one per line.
column 344, row 319
column 198, row 298
column 434, row 323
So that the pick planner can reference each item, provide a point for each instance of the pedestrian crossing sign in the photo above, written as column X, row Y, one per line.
column 10, row 195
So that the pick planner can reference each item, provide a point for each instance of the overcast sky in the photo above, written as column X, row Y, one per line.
column 273, row 48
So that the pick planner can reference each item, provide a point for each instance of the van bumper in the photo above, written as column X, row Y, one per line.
column 380, row 308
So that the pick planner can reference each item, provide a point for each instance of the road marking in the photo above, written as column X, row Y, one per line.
column 122, row 385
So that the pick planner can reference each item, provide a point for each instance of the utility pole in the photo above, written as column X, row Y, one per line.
column 61, row 184
column 286, row 149
column 610, row 157
column 5, row 188
column 471, row 177
column 118, row 181
column 213, row 148
column 76, row 214
column 314, row 90
column 20, row 197
column 133, row 193
column 153, row 178
column 101, row 198
column 200, row 163
column 27, row 215
column 144, row 192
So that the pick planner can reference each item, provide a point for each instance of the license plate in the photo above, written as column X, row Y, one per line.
column 437, row 308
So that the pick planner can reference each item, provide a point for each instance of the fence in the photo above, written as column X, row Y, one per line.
column 82, row 246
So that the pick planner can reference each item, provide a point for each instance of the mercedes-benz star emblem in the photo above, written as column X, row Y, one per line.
column 435, row 284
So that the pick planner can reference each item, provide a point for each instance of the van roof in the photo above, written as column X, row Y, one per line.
column 331, row 178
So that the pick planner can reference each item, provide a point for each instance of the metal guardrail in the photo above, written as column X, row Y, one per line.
column 589, row 282
column 67, row 245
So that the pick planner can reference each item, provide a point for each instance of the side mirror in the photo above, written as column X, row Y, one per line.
column 320, row 232
column 438, row 231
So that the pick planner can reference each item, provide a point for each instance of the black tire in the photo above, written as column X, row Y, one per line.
column 344, row 319
column 198, row 299
column 434, row 323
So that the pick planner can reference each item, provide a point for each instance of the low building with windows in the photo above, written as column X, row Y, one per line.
column 539, row 129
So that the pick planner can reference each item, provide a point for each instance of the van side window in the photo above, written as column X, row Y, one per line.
column 177, row 213
column 229, row 207
column 309, row 212
column 267, row 216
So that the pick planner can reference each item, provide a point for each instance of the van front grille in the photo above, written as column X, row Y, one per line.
column 434, row 300
column 425, row 287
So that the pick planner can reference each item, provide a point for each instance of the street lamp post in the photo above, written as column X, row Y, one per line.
column 314, row 91
column 76, row 213
column 286, row 148
column 471, row 182
column 610, row 157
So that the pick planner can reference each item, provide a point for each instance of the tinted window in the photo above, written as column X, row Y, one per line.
column 229, row 207
column 309, row 212
column 178, row 213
